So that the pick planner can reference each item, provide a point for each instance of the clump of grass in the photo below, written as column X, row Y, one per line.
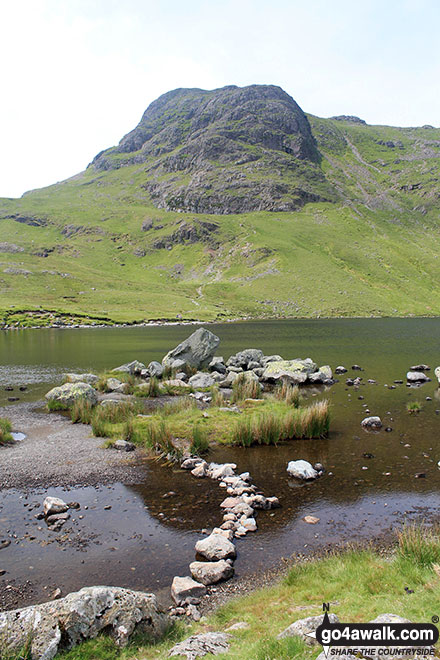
column 5, row 431
column 81, row 411
column 104, row 416
column 218, row 400
column 200, row 441
column 130, row 384
column 183, row 403
column 168, row 373
column 101, row 385
column 52, row 405
column 244, row 388
column 289, row 394
column 419, row 544
column 158, row 436
column 153, row 388
column 414, row 406
column 273, row 426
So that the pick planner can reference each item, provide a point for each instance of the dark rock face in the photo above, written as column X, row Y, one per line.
column 228, row 150
column 351, row 118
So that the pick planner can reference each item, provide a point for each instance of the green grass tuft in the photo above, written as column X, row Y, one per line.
column 5, row 431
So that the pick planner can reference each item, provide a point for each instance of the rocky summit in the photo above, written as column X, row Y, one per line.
column 229, row 150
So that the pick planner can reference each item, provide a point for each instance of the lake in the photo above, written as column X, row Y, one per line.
column 145, row 539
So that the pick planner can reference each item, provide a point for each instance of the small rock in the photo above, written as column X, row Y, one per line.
column 215, row 547
column 124, row 445
column 53, row 505
column 372, row 422
column 240, row 625
column 311, row 520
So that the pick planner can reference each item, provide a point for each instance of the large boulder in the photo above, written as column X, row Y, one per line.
column 155, row 369
column 61, row 624
column 201, row 380
column 244, row 358
column 217, row 364
column 322, row 375
column 215, row 547
column 186, row 591
column 197, row 350
column 67, row 394
column 292, row 371
column 211, row 572
column 301, row 470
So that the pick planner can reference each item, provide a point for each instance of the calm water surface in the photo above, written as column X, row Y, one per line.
column 145, row 539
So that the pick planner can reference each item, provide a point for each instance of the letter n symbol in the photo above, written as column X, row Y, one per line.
column 326, row 607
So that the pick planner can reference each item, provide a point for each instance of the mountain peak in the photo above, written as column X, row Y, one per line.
column 225, row 150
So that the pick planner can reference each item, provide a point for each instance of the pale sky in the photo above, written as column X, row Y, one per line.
column 76, row 75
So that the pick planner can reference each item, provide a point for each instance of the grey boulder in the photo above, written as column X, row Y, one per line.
column 304, row 627
column 417, row 377
column 61, row 624
column 186, row 591
column 197, row 350
column 292, row 371
column 244, row 358
column 134, row 367
column 54, row 505
column 201, row 380
column 215, row 547
column 197, row 646
column 81, row 378
column 211, row 572
column 155, row 369
column 301, row 470
column 372, row 422
column 67, row 394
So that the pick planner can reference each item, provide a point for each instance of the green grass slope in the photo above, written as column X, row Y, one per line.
column 95, row 246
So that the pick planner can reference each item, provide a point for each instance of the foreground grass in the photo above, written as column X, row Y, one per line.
column 5, row 431
column 360, row 584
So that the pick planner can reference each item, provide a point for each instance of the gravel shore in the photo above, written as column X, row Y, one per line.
column 56, row 452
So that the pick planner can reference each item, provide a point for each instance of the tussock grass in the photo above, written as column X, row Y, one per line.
column 414, row 406
column 289, row 394
column 268, row 428
column 5, row 431
column 104, row 417
column 200, row 441
column 157, row 435
column 244, row 388
column 218, row 399
column 81, row 412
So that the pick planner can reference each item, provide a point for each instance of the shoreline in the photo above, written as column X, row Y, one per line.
column 193, row 322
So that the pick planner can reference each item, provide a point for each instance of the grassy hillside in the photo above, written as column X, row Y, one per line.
column 95, row 245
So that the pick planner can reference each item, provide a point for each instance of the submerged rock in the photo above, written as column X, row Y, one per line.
column 372, row 422
column 67, row 394
column 61, row 624
column 197, row 350
column 417, row 377
column 302, row 470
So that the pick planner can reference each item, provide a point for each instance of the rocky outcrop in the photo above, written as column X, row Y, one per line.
column 61, row 624
column 67, row 394
column 225, row 149
column 295, row 371
column 197, row 350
